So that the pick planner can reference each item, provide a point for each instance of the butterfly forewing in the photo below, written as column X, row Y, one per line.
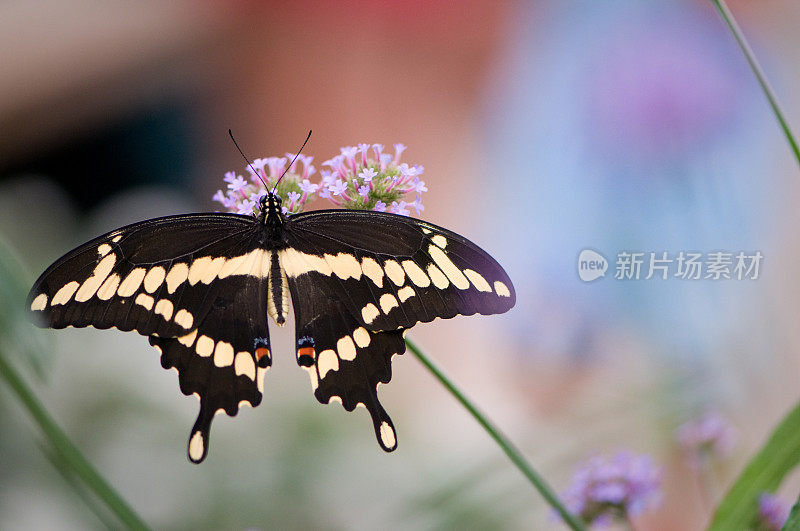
column 393, row 271
column 119, row 278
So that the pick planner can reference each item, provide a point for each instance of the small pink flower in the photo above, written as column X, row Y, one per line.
column 327, row 179
column 363, row 148
column 332, row 162
column 386, row 159
column 258, row 165
column 276, row 166
column 237, row 184
column 246, row 207
column 349, row 152
column 219, row 196
column 400, row 208
column 308, row 187
column 293, row 198
column 707, row 438
column 368, row 174
column 604, row 489
column 772, row 512
column 301, row 159
column 398, row 150
column 338, row 188
column 380, row 206
column 407, row 171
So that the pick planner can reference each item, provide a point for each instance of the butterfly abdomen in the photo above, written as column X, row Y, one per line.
column 278, row 296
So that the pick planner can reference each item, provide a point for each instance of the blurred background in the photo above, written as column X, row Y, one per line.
column 545, row 127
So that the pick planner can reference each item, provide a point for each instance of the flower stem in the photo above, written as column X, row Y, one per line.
column 70, row 454
column 727, row 16
column 505, row 444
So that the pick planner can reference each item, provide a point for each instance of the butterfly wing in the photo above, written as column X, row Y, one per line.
column 196, row 284
column 345, row 361
column 359, row 279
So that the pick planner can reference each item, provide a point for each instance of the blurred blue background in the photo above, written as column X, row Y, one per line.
column 545, row 127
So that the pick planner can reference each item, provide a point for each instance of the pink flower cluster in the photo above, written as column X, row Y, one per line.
column 773, row 512
column 708, row 438
column 361, row 177
column 605, row 490
column 243, row 195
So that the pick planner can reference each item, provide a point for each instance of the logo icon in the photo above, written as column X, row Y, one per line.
column 591, row 265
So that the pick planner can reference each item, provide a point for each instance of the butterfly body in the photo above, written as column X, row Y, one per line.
column 202, row 287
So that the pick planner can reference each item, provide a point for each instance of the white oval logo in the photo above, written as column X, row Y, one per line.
column 591, row 265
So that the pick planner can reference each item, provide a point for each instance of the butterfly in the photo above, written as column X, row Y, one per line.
column 202, row 287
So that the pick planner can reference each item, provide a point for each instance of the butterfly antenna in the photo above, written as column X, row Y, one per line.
column 247, row 160
column 294, row 159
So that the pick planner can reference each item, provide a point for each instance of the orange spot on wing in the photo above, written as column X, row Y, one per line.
column 262, row 352
column 306, row 351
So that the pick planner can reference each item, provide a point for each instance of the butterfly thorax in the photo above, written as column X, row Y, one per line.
column 271, row 216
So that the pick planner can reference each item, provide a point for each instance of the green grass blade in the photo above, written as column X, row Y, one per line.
column 31, row 346
column 782, row 452
column 67, row 451
column 727, row 16
column 764, row 472
column 20, row 341
column 75, row 484
column 505, row 444
column 793, row 522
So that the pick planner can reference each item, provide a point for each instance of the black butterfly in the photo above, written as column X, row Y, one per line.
column 202, row 285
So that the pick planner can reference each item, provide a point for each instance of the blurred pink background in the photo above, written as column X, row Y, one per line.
column 544, row 127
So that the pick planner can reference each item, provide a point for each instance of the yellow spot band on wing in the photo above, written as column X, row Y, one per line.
column 39, row 303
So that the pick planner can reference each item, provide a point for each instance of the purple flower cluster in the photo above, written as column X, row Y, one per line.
column 243, row 195
column 707, row 438
column 361, row 177
column 606, row 489
column 772, row 512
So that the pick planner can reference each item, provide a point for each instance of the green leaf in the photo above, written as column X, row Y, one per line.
column 513, row 453
column 16, row 333
column 736, row 31
column 793, row 522
column 19, row 339
column 764, row 472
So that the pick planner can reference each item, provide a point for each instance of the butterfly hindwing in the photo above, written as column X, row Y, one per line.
column 345, row 361
column 224, row 358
